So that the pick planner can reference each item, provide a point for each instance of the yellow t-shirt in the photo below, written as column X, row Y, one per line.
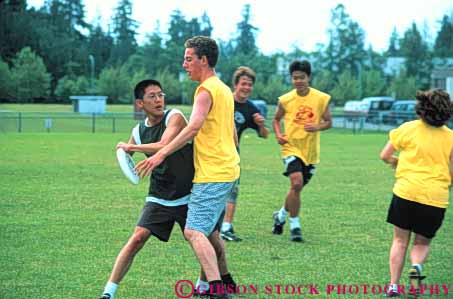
column 298, row 112
column 422, row 174
column 216, row 159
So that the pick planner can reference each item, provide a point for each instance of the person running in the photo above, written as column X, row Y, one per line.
column 424, row 171
column 305, row 112
column 246, row 115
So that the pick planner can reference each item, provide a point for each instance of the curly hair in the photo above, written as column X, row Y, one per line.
column 204, row 46
column 434, row 107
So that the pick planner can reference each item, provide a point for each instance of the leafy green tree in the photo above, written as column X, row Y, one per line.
column 348, row 88
column 188, row 88
column 118, row 83
column 171, row 86
column 124, row 32
column 99, row 45
column 6, row 81
column 114, row 82
column 345, row 50
column 443, row 46
column 394, row 47
column 403, row 86
column 418, row 57
column 15, row 32
column 271, row 89
column 373, row 83
column 323, row 80
column 30, row 76
column 205, row 25
column 245, row 41
column 68, row 86
column 154, row 55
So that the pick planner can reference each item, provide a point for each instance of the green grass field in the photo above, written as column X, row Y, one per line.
column 66, row 211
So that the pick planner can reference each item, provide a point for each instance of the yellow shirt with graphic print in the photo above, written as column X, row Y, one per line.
column 298, row 112
column 422, row 174
column 216, row 159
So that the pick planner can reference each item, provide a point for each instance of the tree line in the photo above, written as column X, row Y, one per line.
column 50, row 53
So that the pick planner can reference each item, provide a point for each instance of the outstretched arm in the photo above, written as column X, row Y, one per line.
column 176, row 124
column 200, row 110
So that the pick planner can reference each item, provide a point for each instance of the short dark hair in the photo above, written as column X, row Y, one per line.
column 139, row 90
column 243, row 71
column 303, row 66
column 204, row 46
column 434, row 107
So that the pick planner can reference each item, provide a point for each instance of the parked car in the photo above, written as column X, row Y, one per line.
column 353, row 110
column 377, row 107
column 401, row 111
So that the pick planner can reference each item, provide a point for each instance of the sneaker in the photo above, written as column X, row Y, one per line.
column 392, row 293
column 106, row 296
column 229, row 235
column 415, row 279
column 296, row 235
column 277, row 229
column 229, row 284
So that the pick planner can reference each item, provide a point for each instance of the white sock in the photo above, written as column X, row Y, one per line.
column 282, row 214
column 418, row 266
column 294, row 222
column 226, row 226
column 110, row 288
column 201, row 285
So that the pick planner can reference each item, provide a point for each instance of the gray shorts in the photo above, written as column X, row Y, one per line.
column 206, row 205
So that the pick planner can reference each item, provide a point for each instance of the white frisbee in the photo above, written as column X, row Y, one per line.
column 127, row 166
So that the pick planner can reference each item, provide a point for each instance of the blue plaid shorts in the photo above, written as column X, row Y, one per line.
column 206, row 205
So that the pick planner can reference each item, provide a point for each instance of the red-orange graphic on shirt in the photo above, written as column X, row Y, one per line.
column 304, row 115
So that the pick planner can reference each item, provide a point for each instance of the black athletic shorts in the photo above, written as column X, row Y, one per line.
column 160, row 219
column 295, row 164
column 421, row 219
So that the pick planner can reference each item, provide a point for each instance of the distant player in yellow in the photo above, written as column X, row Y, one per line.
column 423, row 177
column 305, row 112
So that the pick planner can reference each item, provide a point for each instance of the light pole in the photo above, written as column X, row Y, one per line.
column 91, row 58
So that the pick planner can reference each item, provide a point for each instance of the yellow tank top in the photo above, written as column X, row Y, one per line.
column 215, row 156
column 299, row 111
column 422, row 174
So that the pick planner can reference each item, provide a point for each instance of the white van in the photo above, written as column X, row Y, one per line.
column 353, row 109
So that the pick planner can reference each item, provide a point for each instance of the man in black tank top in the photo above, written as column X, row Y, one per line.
column 170, row 183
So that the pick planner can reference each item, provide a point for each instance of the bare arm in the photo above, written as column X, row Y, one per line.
column 387, row 155
column 200, row 111
column 326, row 122
column 235, row 136
column 176, row 124
column 263, row 132
column 281, row 138
column 451, row 166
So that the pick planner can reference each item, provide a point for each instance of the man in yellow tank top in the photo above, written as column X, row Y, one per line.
column 216, row 160
column 305, row 112
column 423, row 179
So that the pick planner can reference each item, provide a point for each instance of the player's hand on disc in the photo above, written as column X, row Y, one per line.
column 282, row 139
column 145, row 167
column 125, row 146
